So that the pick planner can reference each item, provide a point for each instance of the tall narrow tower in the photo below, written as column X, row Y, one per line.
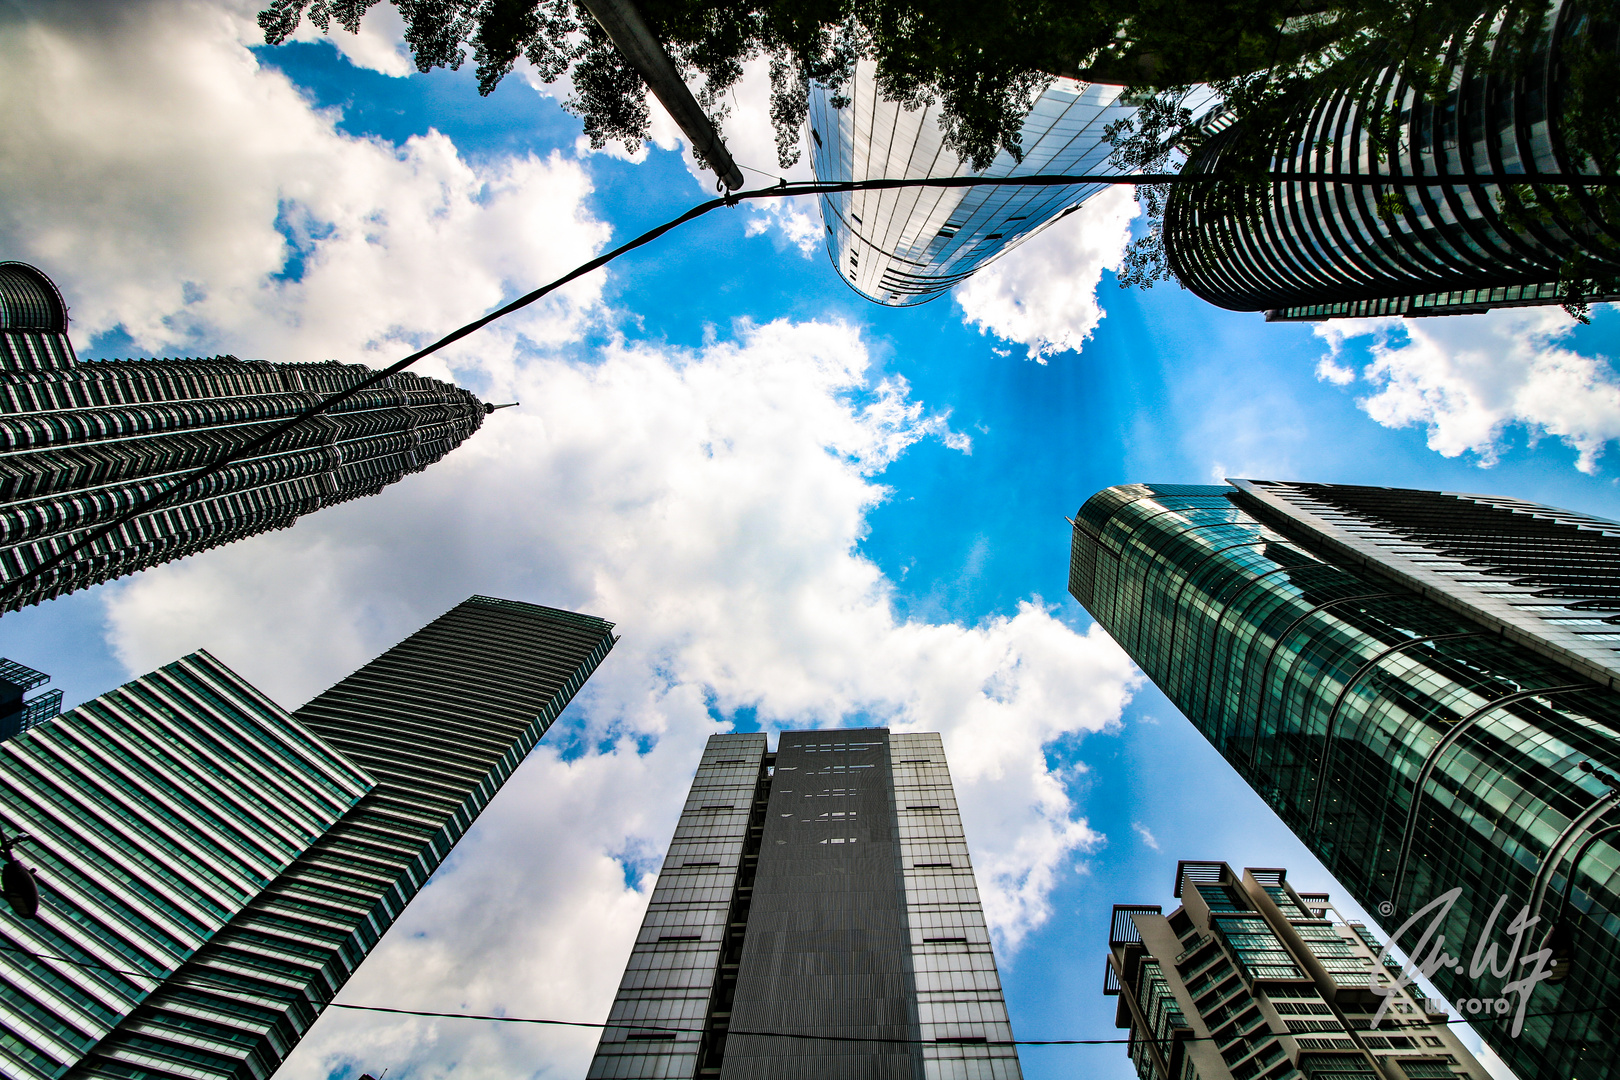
column 212, row 869
column 1423, row 686
column 822, row 891
column 79, row 442
column 908, row 246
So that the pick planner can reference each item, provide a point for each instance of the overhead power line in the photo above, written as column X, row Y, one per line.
column 158, row 496
column 187, row 979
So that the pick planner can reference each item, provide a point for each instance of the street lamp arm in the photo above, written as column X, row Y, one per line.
column 630, row 34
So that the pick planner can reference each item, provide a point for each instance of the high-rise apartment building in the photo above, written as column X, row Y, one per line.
column 907, row 246
column 1317, row 250
column 1422, row 685
column 212, row 869
column 80, row 441
column 1250, row 980
column 816, row 916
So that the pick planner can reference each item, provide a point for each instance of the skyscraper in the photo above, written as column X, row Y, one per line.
column 1422, row 685
column 821, row 891
column 907, row 246
column 1249, row 978
column 82, row 441
column 1316, row 250
column 16, row 714
column 213, row 869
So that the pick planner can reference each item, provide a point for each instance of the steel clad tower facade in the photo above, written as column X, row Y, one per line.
column 1315, row 250
column 823, row 890
column 908, row 246
column 212, row 869
column 1423, row 686
column 80, row 441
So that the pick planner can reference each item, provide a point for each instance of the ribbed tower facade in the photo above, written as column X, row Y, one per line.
column 824, row 890
column 213, row 869
column 1317, row 250
column 1422, row 686
column 907, row 246
column 80, row 441
column 1249, row 979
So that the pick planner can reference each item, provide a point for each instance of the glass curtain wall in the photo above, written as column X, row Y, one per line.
column 1412, row 750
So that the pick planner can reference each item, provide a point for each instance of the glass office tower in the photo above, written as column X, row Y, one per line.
column 1315, row 250
column 16, row 714
column 1250, row 979
column 213, row 869
column 79, row 442
column 823, row 890
column 1421, row 685
column 907, row 246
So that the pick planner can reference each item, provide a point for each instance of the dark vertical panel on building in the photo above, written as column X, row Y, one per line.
column 440, row 721
column 828, row 951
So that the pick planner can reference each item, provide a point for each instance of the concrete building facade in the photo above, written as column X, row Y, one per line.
column 1250, row 979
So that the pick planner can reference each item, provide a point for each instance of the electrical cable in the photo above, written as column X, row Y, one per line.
column 157, row 496
column 204, row 982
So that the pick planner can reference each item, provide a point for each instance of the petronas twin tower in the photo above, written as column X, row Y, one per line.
column 80, row 443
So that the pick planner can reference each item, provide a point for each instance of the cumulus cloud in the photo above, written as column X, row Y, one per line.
column 711, row 503
column 1471, row 379
column 379, row 45
column 1043, row 293
column 180, row 192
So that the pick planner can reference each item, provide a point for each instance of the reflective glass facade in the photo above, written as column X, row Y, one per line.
column 18, row 714
column 682, row 973
column 79, row 442
column 1249, row 979
column 848, row 912
column 1414, row 748
column 1314, row 250
column 157, row 812
column 250, row 860
column 908, row 246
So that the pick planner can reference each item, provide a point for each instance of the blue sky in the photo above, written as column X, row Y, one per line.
column 950, row 545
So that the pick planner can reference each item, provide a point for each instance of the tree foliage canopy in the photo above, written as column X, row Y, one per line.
column 986, row 61
column 983, row 61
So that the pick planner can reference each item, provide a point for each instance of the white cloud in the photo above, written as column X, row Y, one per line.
column 172, row 187
column 1043, row 293
column 379, row 46
column 1470, row 379
column 1145, row 834
column 711, row 502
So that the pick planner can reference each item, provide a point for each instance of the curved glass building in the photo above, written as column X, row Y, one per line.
column 908, row 246
column 1423, row 687
column 80, row 441
column 1314, row 250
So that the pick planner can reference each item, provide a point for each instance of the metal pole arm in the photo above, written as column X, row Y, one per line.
column 631, row 36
